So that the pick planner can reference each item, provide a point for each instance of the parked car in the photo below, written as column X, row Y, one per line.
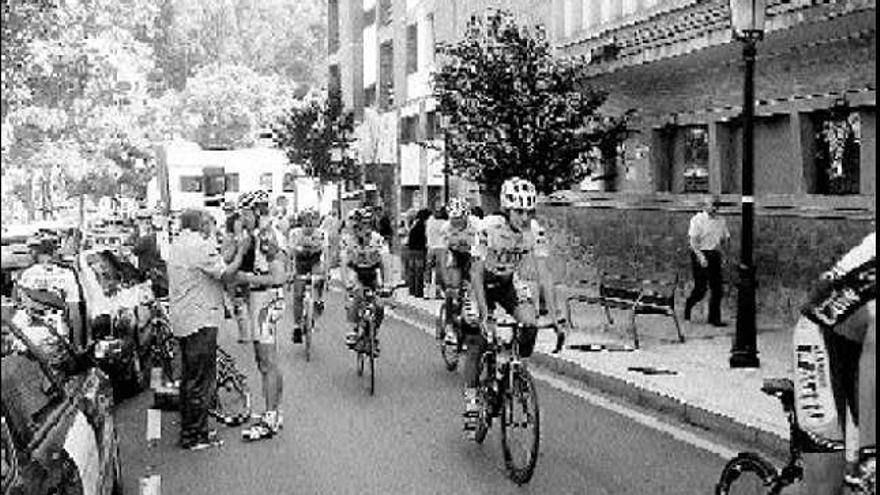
column 119, row 309
column 56, row 423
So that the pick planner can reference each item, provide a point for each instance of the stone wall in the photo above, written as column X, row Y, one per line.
column 647, row 238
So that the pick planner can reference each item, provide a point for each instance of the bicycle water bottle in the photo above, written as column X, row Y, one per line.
column 814, row 398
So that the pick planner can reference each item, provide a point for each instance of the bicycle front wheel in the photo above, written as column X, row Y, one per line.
column 371, row 353
column 748, row 474
column 520, row 426
column 449, row 353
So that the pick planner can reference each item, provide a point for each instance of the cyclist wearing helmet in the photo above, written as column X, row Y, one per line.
column 459, row 235
column 504, row 245
column 49, row 285
column 263, row 271
column 308, row 245
column 363, row 264
column 837, row 327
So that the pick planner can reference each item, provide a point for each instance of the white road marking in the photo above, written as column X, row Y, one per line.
column 151, row 485
column 154, row 425
column 643, row 419
column 155, row 378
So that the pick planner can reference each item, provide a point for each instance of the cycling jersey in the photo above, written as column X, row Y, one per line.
column 505, row 251
column 51, row 278
column 364, row 255
column 845, row 288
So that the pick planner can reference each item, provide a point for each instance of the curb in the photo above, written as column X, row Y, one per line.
column 668, row 406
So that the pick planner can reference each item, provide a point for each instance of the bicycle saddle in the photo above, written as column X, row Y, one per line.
column 777, row 386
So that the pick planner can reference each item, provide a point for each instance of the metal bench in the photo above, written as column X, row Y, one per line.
column 638, row 296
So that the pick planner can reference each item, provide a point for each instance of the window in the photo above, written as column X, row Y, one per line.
column 191, row 183
column 433, row 130
column 370, row 17
column 386, row 75
column 29, row 394
column 385, row 12
column 288, row 184
column 412, row 48
column 334, row 85
column 838, row 153
column 333, row 27
column 266, row 181
column 696, row 159
column 232, row 183
column 370, row 95
column 409, row 129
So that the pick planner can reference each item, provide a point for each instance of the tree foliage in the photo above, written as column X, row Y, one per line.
column 316, row 133
column 513, row 109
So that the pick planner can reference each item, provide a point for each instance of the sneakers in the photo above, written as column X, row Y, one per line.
column 270, row 424
column 319, row 308
column 210, row 440
column 450, row 339
column 471, row 412
column 297, row 334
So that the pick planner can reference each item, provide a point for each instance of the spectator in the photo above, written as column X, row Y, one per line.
column 707, row 234
column 149, row 259
column 196, row 272
column 435, row 231
column 385, row 229
column 416, row 250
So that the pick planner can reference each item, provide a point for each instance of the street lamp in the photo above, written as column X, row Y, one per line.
column 747, row 25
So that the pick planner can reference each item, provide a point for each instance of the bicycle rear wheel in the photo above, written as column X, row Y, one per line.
column 520, row 426
column 450, row 353
column 371, row 353
column 308, row 325
column 748, row 474
column 485, row 420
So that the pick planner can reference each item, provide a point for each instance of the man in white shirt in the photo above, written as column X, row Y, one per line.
column 707, row 235
column 436, row 234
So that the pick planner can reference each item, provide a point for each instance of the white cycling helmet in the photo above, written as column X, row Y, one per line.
column 457, row 208
column 518, row 194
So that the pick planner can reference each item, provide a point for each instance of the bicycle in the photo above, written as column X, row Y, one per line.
column 231, row 403
column 367, row 345
column 310, row 302
column 506, row 387
column 451, row 354
column 766, row 478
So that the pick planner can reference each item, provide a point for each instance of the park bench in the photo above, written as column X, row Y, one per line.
column 638, row 296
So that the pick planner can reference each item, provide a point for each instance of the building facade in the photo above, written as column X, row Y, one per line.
column 381, row 56
column 675, row 63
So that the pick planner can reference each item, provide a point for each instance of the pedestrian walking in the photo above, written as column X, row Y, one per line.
column 196, row 273
column 436, row 231
column 707, row 235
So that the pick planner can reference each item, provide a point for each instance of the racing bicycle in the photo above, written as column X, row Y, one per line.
column 310, row 312
column 449, row 351
column 506, row 391
column 367, row 347
column 751, row 473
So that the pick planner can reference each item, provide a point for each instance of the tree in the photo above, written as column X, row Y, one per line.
column 316, row 134
column 513, row 109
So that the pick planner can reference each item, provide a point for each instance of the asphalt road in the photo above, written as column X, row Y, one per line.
column 407, row 438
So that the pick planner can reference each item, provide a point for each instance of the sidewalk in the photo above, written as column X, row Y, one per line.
column 692, row 382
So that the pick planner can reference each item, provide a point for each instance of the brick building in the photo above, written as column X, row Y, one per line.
column 674, row 62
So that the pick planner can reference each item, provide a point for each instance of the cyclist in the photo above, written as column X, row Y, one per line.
column 363, row 264
column 308, row 245
column 459, row 235
column 265, row 277
column 503, row 245
column 838, row 322
column 49, row 285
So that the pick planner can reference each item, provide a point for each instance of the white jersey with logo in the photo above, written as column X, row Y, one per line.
column 506, row 252
column 51, row 278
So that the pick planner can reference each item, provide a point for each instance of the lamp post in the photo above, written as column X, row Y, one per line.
column 747, row 23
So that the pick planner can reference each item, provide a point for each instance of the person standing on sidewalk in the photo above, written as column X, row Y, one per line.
column 436, row 229
column 707, row 235
column 195, row 275
column 416, row 247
